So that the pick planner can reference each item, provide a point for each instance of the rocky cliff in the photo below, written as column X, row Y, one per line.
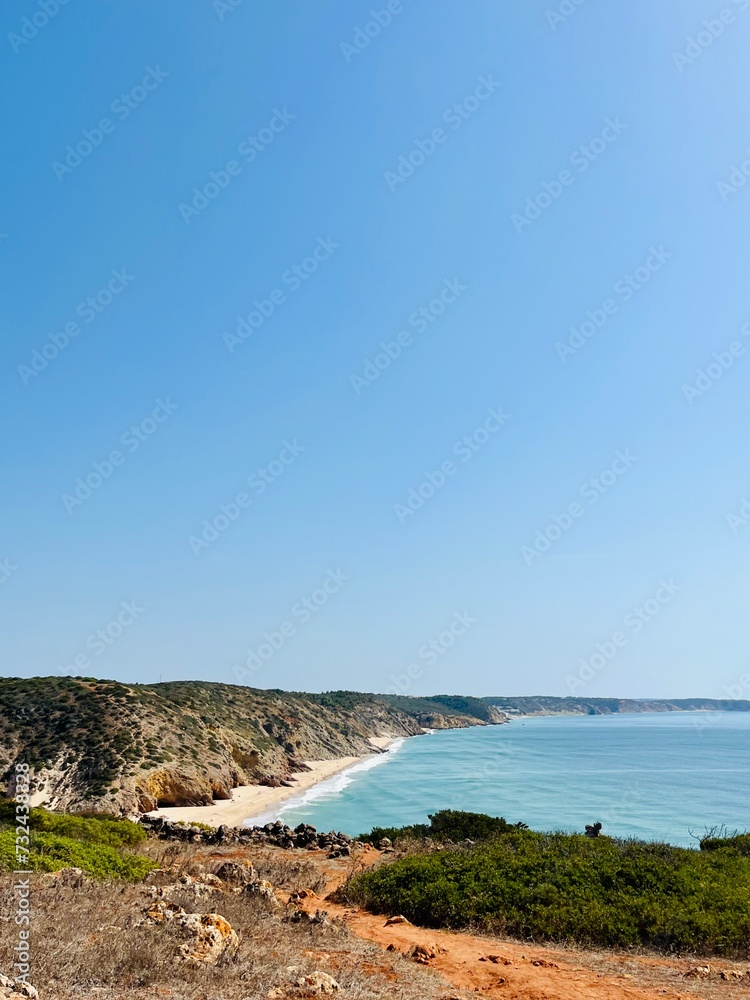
column 102, row 745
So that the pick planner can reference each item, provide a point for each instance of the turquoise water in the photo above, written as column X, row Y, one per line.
column 651, row 776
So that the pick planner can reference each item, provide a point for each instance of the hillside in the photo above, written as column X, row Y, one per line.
column 542, row 705
column 127, row 748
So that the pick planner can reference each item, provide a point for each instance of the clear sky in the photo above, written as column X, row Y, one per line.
column 214, row 217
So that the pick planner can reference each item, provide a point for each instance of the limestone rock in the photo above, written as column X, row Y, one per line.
column 208, row 935
column 16, row 989
column 236, row 873
column 264, row 890
column 396, row 920
column 698, row 972
column 424, row 953
column 317, row 984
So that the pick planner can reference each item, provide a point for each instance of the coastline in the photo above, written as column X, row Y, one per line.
column 249, row 801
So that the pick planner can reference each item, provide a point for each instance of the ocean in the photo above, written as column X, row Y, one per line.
column 660, row 776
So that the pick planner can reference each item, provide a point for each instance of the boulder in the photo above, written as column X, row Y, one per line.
column 208, row 935
column 238, row 873
column 16, row 989
column 424, row 953
column 317, row 984
column 264, row 890
column 698, row 972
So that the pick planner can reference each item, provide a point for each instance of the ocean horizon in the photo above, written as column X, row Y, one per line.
column 661, row 776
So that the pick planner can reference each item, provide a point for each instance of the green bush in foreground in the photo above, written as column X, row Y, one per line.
column 51, row 852
column 98, row 844
column 570, row 888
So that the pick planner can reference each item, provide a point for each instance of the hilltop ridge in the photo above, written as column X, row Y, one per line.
column 129, row 748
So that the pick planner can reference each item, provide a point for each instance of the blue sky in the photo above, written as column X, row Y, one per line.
column 468, row 188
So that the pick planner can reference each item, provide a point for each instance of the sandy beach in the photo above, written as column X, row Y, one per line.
column 251, row 800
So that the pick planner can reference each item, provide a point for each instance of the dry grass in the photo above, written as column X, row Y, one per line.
column 85, row 946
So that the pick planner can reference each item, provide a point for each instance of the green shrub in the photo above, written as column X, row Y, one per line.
column 96, row 842
column 446, row 825
column 93, row 828
column 570, row 888
column 739, row 842
column 51, row 852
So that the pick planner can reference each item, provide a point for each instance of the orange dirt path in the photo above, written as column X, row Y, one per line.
column 528, row 972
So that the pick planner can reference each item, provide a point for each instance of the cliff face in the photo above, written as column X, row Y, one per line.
column 543, row 705
column 119, row 748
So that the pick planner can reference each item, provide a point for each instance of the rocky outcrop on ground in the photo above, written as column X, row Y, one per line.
column 303, row 837
column 16, row 989
column 207, row 936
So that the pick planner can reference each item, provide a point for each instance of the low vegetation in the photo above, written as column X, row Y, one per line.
column 446, row 825
column 591, row 891
column 88, row 944
column 98, row 844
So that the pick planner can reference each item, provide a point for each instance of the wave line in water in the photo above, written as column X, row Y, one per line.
column 325, row 790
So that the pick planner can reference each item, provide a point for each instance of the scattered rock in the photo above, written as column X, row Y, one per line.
column 71, row 878
column 317, row 984
column 731, row 975
column 320, row 917
column 424, row 953
column 264, row 890
column 208, row 935
column 304, row 836
column 302, row 894
column 385, row 844
column 16, row 989
column 698, row 972
column 236, row 873
column 396, row 920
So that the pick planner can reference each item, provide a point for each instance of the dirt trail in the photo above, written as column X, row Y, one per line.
column 517, row 971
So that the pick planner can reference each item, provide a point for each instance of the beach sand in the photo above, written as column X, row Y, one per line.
column 251, row 800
